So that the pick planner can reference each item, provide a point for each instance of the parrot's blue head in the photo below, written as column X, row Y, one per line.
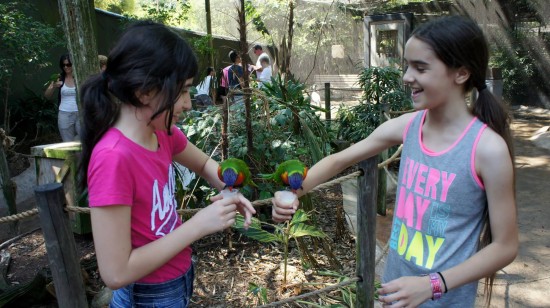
column 295, row 181
column 229, row 177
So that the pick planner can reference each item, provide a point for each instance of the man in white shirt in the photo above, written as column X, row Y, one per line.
column 259, row 51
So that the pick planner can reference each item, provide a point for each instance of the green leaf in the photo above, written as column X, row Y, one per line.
column 255, row 230
column 301, row 229
column 299, row 217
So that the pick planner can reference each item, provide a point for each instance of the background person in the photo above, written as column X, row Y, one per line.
column 235, row 76
column 67, row 118
column 259, row 51
column 203, row 88
column 223, row 87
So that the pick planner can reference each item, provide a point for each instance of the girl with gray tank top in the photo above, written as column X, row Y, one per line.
column 455, row 213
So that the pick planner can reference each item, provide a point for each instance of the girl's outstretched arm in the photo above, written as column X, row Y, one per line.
column 388, row 134
column 494, row 166
column 200, row 163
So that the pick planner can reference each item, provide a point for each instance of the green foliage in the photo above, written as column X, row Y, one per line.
column 202, row 49
column 382, row 91
column 293, row 112
column 36, row 114
column 25, row 45
column 173, row 13
column 25, row 41
column 518, row 64
column 259, row 292
column 275, row 113
column 116, row 6
column 296, row 228
column 202, row 128
column 255, row 17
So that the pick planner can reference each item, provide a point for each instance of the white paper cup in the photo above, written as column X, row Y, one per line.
column 286, row 197
column 226, row 193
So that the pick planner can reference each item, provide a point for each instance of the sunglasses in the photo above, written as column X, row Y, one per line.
column 67, row 65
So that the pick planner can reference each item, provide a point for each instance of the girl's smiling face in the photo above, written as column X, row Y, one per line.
column 430, row 80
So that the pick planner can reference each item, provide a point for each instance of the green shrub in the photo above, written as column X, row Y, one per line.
column 284, row 124
column 382, row 91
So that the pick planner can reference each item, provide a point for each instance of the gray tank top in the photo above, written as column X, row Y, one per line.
column 438, row 214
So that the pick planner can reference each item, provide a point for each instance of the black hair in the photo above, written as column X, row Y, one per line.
column 61, row 60
column 147, row 57
column 209, row 70
column 256, row 47
column 233, row 55
column 459, row 42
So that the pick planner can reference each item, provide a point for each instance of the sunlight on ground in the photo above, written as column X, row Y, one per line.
column 533, row 162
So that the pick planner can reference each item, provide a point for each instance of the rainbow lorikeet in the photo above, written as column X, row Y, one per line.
column 290, row 173
column 234, row 173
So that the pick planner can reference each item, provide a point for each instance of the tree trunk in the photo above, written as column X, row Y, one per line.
column 78, row 19
column 291, row 6
column 8, row 185
column 209, row 31
column 6, row 119
column 246, row 87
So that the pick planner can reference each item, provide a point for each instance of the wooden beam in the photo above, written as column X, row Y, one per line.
column 60, row 246
column 366, row 233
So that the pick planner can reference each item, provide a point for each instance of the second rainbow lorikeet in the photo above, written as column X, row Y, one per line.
column 234, row 173
column 290, row 173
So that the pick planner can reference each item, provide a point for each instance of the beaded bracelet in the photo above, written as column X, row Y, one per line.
column 436, row 286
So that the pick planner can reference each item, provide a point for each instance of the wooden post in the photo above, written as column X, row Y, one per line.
column 60, row 246
column 366, row 236
column 327, row 104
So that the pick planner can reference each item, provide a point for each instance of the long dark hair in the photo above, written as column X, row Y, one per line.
column 459, row 42
column 148, row 57
column 61, row 60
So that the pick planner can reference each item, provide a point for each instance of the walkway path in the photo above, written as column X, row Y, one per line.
column 524, row 283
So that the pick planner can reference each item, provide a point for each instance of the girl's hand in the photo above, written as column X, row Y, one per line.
column 217, row 216
column 244, row 207
column 283, row 211
column 409, row 291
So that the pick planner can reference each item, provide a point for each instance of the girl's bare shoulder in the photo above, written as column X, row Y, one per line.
column 492, row 148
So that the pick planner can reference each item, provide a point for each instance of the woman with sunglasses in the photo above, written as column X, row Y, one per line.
column 67, row 120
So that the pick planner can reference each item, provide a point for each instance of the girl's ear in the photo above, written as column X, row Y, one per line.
column 145, row 98
column 462, row 75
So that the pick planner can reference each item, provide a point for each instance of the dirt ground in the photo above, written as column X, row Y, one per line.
column 224, row 274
